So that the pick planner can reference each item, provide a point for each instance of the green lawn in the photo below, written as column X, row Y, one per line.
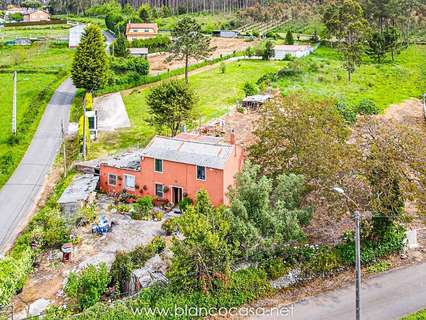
column 43, row 71
column 51, row 32
column 217, row 93
column 385, row 84
column 420, row 315
column 208, row 22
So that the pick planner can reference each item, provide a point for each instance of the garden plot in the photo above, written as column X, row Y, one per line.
column 222, row 46
column 48, row 280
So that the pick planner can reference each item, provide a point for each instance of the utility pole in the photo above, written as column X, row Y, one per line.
column 64, row 148
column 15, row 76
column 357, row 265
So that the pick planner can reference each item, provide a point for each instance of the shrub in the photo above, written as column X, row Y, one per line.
column 122, row 65
column 87, row 287
column 222, row 67
column 275, row 268
column 347, row 112
column 157, row 215
column 142, row 208
column 380, row 266
column 170, row 226
column 88, row 214
column 323, row 262
column 121, row 271
column 367, row 107
column 158, row 43
column 185, row 203
column 250, row 89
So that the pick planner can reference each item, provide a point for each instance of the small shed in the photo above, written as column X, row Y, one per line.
column 23, row 42
column 297, row 51
column 139, row 52
column 225, row 33
column 78, row 193
column 256, row 101
column 75, row 34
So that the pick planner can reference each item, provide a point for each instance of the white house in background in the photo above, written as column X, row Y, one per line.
column 75, row 34
column 297, row 51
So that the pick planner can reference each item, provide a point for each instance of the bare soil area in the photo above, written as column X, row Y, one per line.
column 221, row 46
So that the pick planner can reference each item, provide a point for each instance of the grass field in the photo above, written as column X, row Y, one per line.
column 217, row 93
column 385, row 84
column 208, row 22
column 420, row 315
column 39, row 57
column 51, row 32
column 40, row 71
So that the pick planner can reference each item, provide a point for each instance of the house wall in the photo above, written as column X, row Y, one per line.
column 184, row 176
column 36, row 16
column 104, row 171
column 176, row 175
column 233, row 166
column 281, row 54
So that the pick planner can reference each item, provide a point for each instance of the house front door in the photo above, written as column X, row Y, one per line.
column 177, row 194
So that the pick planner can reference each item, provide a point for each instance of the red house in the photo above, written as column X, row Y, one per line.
column 173, row 168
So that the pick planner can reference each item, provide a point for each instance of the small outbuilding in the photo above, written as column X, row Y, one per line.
column 78, row 193
column 256, row 101
column 225, row 33
column 23, row 42
column 139, row 52
column 297, row 51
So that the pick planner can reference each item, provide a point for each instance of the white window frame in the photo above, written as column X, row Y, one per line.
column 116, row 178
column 162, row 165
column 205, row 173
column 162, row 190
column 125, row 181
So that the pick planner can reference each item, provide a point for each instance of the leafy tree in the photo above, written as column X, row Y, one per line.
column 16, row 17
column 88, row 286
column 392, row 44
column 189, row 42
column 202, row 260
column 31, row 4
column 376, row 46
column 303, row 137
column 90, row 65
column 120, row 46
column 289, row 38
column 165, row 11
column 172, row 104
column 268, row 52
column 145, row 12
column 344, row 19
column 112, row 21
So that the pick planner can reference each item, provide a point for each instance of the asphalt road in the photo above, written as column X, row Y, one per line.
column 19, row 195
column 384, row 297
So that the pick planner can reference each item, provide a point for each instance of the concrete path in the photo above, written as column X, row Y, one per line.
column 384, row 297
column 19, row 195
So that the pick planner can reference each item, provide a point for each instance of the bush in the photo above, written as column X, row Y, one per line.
column 142, row 208
column 380, row 266
column 367, row 107
column 158, row 43
column 322, row 263
column 185, row 203
column 122, row 65
column 170, row 226
column 250, row 89
column 275, row 268
column 347, row 112
column 87, row 287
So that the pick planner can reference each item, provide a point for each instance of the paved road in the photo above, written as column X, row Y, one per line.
column 385, row 297
column 20, row 194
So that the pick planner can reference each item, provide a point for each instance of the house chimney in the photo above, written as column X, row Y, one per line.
column 232, row 137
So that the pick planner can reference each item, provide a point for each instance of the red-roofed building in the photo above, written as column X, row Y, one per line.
column 173, row 168
column 135, row 31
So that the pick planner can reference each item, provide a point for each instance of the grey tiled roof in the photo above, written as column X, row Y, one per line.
column 201, row 153
column 79, row 189
column 131, row 160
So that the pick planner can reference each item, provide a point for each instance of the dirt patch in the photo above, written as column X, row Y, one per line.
column 222, row 46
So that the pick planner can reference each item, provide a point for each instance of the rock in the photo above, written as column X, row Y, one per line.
column 38, row 307
column 286, row 281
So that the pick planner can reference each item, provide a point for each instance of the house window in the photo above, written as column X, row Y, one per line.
column 158, row 165
column 112, row 179
column 129, row 181
column 201, row 173
column 146, row 30
column 159, row 190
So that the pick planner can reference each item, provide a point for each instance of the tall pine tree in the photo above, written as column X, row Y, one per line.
column 90, row 66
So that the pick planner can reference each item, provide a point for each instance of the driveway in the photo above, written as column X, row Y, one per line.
column 19, row 195
column 384, row 297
